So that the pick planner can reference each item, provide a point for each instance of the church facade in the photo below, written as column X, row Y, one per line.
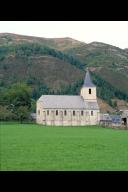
column 70, row 110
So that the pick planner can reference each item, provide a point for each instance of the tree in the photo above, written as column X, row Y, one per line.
column 19, row 94
column 33, row 105
column 5, row 114
column 17, row 99
column 22, row 113
column 114, row 104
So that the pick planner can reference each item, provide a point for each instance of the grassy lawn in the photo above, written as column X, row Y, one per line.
column 36, row 147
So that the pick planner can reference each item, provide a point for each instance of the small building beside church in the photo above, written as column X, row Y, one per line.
column 70, row 110
column 124, row 117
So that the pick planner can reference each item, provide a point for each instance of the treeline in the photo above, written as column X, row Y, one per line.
column 42, row 89
column 18, row 101
column 71, row 89
column 105, row 90
column 29, row 49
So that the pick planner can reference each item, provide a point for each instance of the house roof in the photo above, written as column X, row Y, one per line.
column 66, row 102
column 88, row 81
column 116, row 118
column 105, row 117
column 112, row 118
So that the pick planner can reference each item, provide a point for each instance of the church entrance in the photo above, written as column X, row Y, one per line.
column 124, row 121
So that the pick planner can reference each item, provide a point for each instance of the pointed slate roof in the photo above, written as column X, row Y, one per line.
column 88, row 81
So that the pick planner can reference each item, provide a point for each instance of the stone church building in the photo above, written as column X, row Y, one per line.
column 81, row 109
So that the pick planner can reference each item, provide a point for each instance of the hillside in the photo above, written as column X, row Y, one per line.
column 56, row 43
column 109, row 62
column 58, row 65
column 97, row 54
column 38, row 69
column 126, row 49
column 115, row 78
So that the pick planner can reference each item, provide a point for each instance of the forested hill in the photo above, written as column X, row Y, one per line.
column 57, row 66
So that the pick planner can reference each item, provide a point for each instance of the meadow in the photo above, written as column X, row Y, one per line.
column 45, row 148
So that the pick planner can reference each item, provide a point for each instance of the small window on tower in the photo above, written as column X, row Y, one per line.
column 91, row 113
column 89, row 91
column 65, row 113
column 38, row 112
column 73, row 113
column 82, row 113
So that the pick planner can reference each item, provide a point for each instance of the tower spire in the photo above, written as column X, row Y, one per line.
column 88, row 91
column 87, row 80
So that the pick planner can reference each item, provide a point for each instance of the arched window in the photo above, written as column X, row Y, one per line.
column 73, row 113
column 91, row 113
column 82, row 112
column 38, row 112
column 65, row 112
column 56, row 112
column 89, row 91
column 47, row 112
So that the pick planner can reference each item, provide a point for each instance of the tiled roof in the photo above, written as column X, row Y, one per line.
column 66, row 102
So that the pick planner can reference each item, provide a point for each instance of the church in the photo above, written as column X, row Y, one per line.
column 70, row 110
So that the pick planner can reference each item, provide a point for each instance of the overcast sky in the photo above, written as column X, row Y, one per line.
column 111, row 32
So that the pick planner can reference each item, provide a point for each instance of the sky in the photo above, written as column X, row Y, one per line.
column 110, row 32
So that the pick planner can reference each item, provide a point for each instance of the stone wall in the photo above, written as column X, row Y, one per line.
column 72, row 117
column 85, row 93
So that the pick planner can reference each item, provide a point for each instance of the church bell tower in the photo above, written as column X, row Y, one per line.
column 88, row 90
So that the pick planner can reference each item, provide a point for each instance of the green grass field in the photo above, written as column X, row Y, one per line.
column 36, row 147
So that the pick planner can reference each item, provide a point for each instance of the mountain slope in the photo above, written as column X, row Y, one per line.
column 126, row 49
column 99, row 54
column 109, row 62
column 31, row 59
column 56, row 43
column 38, row 69
column 115, row 78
